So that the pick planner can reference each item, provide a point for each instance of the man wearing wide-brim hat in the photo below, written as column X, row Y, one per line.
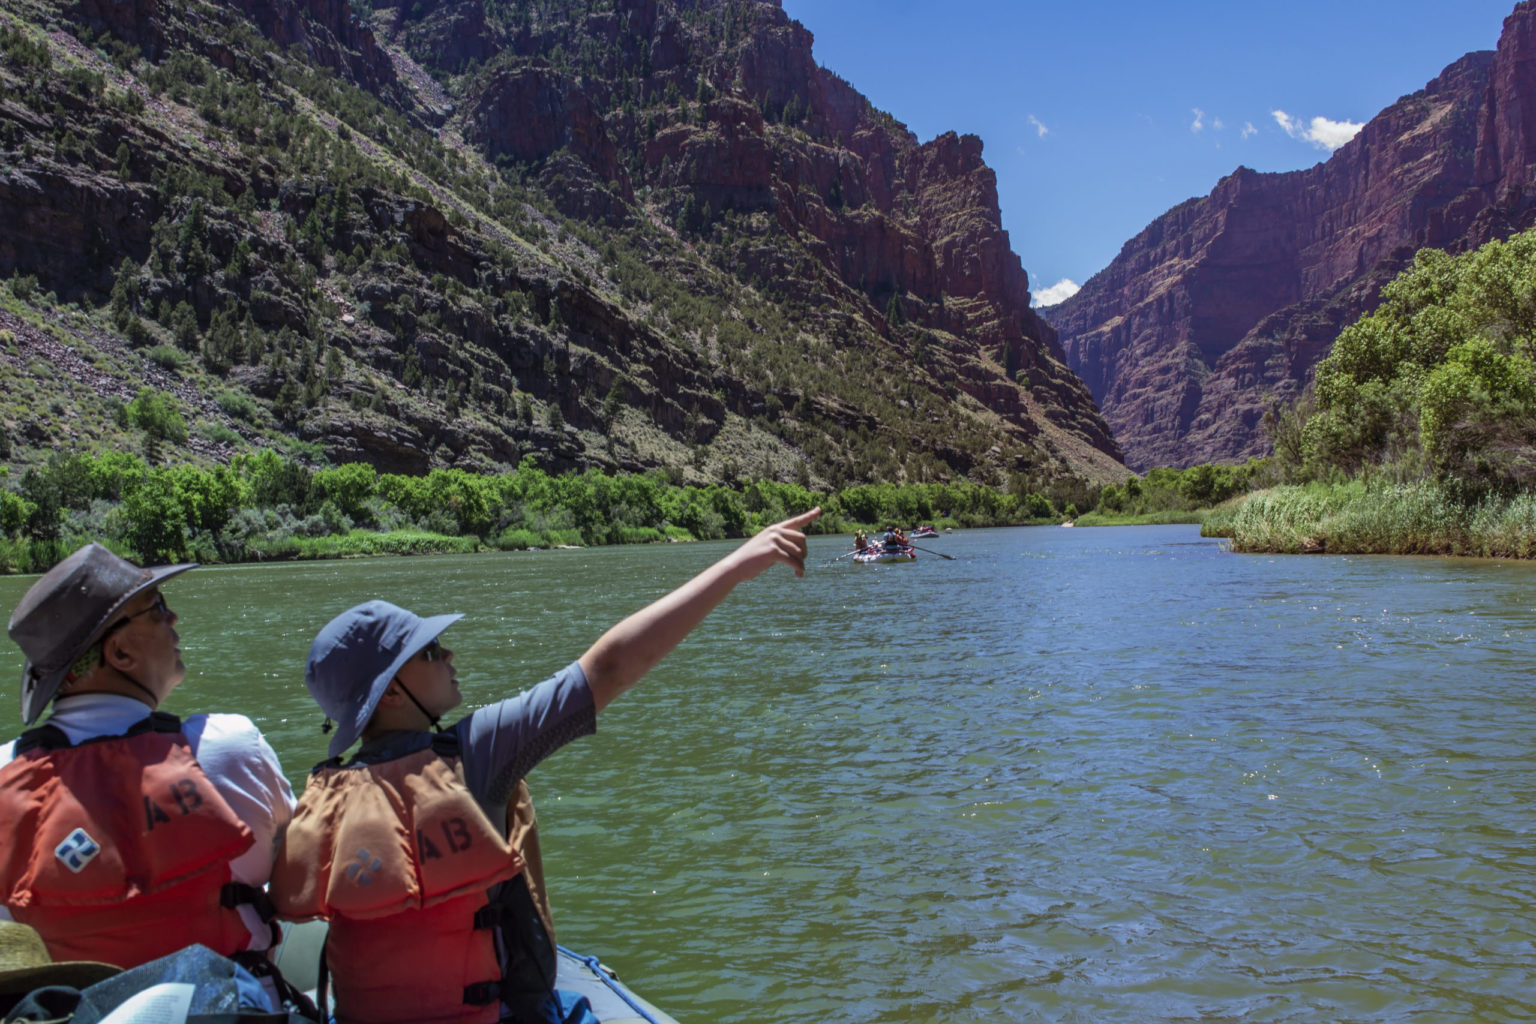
column 129, row 833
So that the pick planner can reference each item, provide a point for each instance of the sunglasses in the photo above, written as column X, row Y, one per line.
column 159, row 605
column 433, row 652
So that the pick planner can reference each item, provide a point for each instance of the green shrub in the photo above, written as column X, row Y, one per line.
column 167, row 358
column 516, row 538
column 155, row 413
column 236, row 404
column 220, row 434
column 15, row 512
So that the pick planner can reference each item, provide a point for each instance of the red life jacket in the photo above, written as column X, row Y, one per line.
column 118, row 848
column 399, row 858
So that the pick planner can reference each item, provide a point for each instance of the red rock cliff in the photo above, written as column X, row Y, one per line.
column 1228, row 300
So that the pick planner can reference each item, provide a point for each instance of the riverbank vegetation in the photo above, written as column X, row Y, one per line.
column 1419, row 433
column 266, row 506
column 1175, row 495
column 1370, row 517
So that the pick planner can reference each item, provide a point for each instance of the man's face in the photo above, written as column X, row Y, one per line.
column 143, row 644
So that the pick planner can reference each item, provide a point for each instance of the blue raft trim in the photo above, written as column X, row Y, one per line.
column 596, row 967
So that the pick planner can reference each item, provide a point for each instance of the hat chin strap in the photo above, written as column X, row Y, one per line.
column 430, row 717
column 154, row 702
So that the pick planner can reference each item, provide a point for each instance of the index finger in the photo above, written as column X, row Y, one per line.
column 803, row 519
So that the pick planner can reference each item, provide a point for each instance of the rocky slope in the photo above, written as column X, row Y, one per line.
column 1226, row 303
column 622, row 233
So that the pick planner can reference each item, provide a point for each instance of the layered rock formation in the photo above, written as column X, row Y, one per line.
column 883, row 217
column 637, row 234
column 1226, row 303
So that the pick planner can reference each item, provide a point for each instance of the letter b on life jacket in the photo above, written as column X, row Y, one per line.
column 456, row 835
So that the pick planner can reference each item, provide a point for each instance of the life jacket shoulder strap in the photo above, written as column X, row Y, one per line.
column 445, row 743
column 51, row 737
column 44, row 737
column 330, row 762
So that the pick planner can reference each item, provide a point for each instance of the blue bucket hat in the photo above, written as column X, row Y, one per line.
column 357, row 654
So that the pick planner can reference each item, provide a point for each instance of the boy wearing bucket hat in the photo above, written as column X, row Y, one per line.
column 422, row 851
column 130, row 833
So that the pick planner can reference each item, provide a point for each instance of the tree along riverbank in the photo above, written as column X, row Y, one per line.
column 1427, row 408
column 1377, row 517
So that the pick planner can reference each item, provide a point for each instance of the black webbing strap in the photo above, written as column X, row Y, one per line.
column 44, row 737
column 482, row 993
column 323, row 984
column 234, row 894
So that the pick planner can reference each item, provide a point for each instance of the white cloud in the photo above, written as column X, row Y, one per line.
column 1321, row 132
column 1333, row 134
column 1199, row 124
column 1249, row 129
column 1061, row 291
column 1040, row 129
column 1216, row 123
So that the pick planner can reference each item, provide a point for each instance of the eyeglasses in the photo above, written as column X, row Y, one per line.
column 433, row 652
column 159, row 605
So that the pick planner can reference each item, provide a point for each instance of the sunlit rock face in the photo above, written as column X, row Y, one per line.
column 1227, row 302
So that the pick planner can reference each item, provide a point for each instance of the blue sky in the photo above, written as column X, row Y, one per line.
column 1098, row 117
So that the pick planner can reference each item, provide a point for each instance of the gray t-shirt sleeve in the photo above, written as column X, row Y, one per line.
column 503, row 742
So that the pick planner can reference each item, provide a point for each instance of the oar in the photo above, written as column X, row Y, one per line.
column 839, row 558
column 932, row 552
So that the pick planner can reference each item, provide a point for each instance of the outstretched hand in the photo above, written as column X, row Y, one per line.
column 781, row 542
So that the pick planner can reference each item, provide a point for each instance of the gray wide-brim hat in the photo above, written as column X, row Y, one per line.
column 68, row 610
column 357, row 654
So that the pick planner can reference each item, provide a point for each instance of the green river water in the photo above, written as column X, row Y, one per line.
column 1108, row 775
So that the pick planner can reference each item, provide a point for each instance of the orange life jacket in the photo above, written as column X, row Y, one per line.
column 117, row 849
column 399, row 858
